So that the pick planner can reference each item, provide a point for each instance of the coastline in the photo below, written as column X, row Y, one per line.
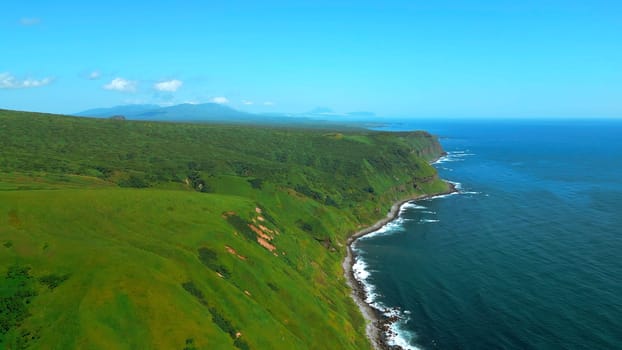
column 377, row 323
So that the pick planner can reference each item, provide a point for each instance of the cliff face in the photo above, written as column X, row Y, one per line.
column 425, row 145
column 226, row 237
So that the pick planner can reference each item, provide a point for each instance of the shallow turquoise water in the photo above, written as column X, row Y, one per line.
column 528, row 256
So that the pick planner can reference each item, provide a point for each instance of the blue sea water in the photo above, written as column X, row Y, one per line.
column 527, row 256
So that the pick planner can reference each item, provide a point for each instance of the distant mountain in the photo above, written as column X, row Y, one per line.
column 206, row 112
column 182, row 112
column 214, row 112
column 195, row 112
column 125, row 110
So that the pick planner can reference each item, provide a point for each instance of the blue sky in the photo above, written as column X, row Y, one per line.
column 395, row 58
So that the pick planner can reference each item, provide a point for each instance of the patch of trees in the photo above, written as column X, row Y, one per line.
column 305, row 226
column 227, row 327
column 266, row 214
column 223, row 323
column 256, row 183
column 316, row 195
column 241, row 226
column 135, row 181
column 369, row 189
column 209, row 258
column 307, row 191
column 191, row 288
column 104, row 171
column 330, row 201
column 240, row 344
column 273, row 286
column 18, row 291
column 198, row 183
column 189, row 344
column 53, row 280
column 241, row 168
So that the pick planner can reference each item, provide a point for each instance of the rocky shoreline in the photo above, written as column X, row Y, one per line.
column 377, row 323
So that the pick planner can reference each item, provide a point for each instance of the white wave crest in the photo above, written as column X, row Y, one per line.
column 361, row 273
column 411, row 205
column 443, row 195
column 460, row 189
column 457, row 185
column 453, row 156
column 397, row 334
column 389, row 228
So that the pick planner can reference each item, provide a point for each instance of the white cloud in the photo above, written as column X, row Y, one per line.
column 220, row 100
column 170, row 85
column 8, row 81
column 120, row 84
column 29, row 21
column 246, row 102
column 268, row 103
column 94, row 75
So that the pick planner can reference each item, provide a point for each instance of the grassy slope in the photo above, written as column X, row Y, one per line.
column 107, row 267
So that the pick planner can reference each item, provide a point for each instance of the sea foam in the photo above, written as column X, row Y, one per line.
column 397, row 334
column 444, row 195
column 453, row 156
column 411, row 205
column 388, row 229
column 362, row 273
column 457, row 185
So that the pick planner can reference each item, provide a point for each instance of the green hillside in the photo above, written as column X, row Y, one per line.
column 142, row 235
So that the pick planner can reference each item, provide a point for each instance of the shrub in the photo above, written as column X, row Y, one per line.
column 134, row 181
column 191, row 288
column 53, row 280
column 209, row 258
column 256, row 183
column 189, row 344
column 197, row 182
column 17, row 294
column 241, row 226
column 222, row 322
column 241, row 344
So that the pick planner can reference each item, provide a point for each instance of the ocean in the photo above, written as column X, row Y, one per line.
column 527, row 256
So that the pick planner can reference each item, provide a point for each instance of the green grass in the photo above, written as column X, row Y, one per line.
column 171, row 266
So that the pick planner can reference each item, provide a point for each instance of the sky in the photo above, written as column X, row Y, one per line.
column 440, row 58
